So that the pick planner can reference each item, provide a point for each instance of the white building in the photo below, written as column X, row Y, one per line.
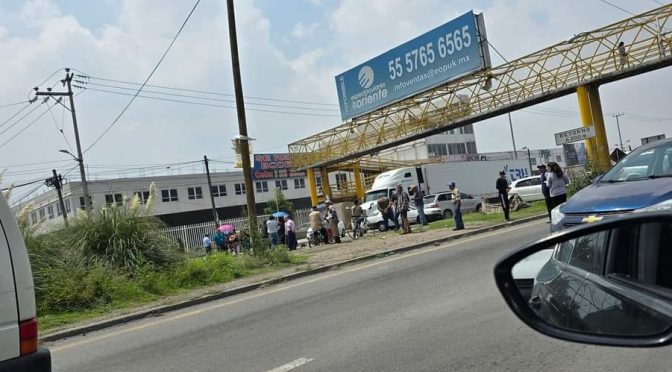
column 179, row 200
column 453, row 145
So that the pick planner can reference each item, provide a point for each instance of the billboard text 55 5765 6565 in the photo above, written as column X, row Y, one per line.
column 442, row 54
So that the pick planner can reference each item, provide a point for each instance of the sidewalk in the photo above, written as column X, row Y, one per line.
column 320, row 259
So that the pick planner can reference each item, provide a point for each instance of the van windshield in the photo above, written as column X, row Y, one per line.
column 375, row 195
column 642, row 164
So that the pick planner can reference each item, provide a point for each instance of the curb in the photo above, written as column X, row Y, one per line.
column 82, row 330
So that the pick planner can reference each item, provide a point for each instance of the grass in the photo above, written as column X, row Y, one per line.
column 114, row 292
column 534, row 208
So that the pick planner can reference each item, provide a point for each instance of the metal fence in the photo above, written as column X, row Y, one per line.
column 190, row 237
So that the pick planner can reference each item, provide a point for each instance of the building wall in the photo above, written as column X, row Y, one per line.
column 453, row 145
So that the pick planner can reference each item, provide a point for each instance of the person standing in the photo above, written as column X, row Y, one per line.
column 290, row 230
column 395, row 210
column 332, row 217
column 219, row 239
column 457, row 207
column 557, row 184
column 502, row 186
column 402, row 204
column 357, row 218
column 622, row 54
column 385, row 209
column 544, row 188
column 315, row 218
column 272, row 230
column 419, row 203
column 281, row 230
column 207, row 244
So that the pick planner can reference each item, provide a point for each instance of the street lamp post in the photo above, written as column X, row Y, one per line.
column 529, row 157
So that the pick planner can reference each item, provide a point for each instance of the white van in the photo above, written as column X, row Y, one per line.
column 18, row 322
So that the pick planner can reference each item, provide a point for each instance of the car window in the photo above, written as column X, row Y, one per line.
column 642, row 164
column 523, row 183
column 466, row 196
column 535, row 181
column 375, row 195
column 442, row 197
column 586, row 252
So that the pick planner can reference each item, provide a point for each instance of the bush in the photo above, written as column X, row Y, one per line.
column 583, row 178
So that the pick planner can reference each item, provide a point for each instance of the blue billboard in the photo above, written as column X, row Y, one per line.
column 442, row 54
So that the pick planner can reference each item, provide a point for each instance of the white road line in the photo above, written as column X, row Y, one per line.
column 169, row 318
column 291, row 365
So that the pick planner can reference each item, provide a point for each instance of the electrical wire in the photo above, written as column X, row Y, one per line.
column 146, row 80
column 203, row 104
column 23, row 117
column 618, row 7
column 24, row 128
column 15, row 115
column 60, row 130
column 36, row 163
column 13, row 104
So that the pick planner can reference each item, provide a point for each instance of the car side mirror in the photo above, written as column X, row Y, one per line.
column 605, row 283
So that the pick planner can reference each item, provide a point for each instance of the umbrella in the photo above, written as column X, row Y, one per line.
column 280, row 214
column 226, row 228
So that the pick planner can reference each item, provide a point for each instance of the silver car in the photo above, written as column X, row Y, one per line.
column 444, row 201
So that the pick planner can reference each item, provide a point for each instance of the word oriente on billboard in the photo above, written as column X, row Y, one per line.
column 445, row 53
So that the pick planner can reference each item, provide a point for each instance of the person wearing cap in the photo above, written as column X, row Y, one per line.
column 544, row 188
column 457, row 207
column 502, row 186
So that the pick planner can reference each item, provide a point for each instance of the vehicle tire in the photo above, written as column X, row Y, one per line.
column 351, row 234
column 479, row 207
column 447, row 213
column 381, row 226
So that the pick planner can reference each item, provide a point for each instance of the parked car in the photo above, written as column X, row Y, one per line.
column 375, row 219
column 18, row 323
column 444, row 202
column 605, row 283
column 640, row 182
column 529, row 189
column 432, row 212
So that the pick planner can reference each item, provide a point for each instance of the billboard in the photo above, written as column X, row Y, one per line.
column 440, row 55
column 269, row 166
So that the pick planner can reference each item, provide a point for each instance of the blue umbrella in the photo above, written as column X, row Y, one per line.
column 280, row 214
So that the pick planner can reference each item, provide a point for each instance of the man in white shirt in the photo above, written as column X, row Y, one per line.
column 207, row 244
column 290, row 230
column 272, row 230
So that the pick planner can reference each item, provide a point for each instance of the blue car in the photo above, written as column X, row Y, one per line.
column 640, row 182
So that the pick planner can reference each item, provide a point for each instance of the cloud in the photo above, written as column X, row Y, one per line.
column 300, row 30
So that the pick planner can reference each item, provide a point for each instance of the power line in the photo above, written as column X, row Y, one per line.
column 617, row 7
column 60, row 130
column 18, row 121
column 204, row 104
column 146, row 80
column 24, row 128
column 36, row 163
column 210, row 99
column 209, row 92
column 15, row 115
column 13, row 104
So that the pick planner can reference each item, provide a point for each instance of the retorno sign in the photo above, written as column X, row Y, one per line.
column 440, row 55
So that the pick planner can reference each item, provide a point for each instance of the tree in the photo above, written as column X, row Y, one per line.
column 279, row 203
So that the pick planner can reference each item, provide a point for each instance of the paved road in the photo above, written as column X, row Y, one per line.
column 434, row 309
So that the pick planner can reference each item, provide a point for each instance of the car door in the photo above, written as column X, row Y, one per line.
column 9, row 317
column 444, row 200
column 468, row 202
column 522, row 188
column 535, row 189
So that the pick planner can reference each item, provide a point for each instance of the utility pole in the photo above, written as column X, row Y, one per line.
column 80, row 158
column 242, row 124
column 618, row 126
column 212, row 197
column 515, row 151
column 57, row 182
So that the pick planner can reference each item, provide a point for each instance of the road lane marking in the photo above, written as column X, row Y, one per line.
column 284, row 288
column 291, row 365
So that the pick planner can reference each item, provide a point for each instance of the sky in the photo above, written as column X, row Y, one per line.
column 290, row 51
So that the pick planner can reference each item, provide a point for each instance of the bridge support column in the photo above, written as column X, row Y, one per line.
column 326, row 187
column 312, row 186
column 590, row 109
column 359, row 185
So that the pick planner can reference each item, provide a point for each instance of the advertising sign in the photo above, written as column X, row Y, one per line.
column 269, row 166
column 574, row 135
column 442, row 54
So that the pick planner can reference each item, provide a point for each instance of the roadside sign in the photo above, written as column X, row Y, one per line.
column 574, row 135
column 442, row 54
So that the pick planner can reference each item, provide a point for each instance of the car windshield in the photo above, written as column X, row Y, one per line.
column 429, row 198
column 642, row 164
column 375, row 195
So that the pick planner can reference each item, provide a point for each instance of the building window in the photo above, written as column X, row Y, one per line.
column 281, row 184
column 467, row 129
column 341, row 181
column 33, row 218
column 143, row 196
column 558, row 157
column 318, row 182
column 82, row 205
column 471, row 148
column 169, row 195
column 59, row 211
column 261, row 186
column 299, row 183
column 533, row 161
column 240, row 188
column 194, row 193
column 457, row 148
column 437, row 150
column 50, row 211
column 114, row 199
column 67, row 206
column 218, row 190
column 42, row 215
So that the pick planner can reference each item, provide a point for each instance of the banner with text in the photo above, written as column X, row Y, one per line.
column 442, row 54
column 269, row 166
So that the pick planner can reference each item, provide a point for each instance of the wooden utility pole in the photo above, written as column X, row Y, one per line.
column 80, row 157
column 242, row 124
column 212, row 197
column 57, row 182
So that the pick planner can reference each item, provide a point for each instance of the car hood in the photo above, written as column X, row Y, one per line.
column 621, row 196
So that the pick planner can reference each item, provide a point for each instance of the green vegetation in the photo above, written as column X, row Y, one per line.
column 582, row 178
column 533, row 209
column 279, row 203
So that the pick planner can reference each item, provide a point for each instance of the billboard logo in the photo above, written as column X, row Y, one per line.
column 366, row 77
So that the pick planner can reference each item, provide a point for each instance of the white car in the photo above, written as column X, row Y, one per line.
column 529, row 188
column 375, row 219
column 444, row 202
column 18, row 322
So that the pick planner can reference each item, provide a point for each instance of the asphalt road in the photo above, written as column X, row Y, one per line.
column 432, row 309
